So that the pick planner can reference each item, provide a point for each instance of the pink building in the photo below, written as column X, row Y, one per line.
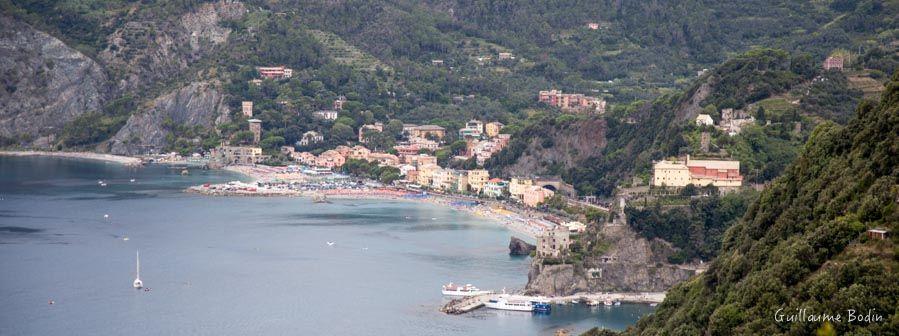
column 330, row 159
column 535, row 195
column 277, row 72
column 359, row 153
column 833, row 62
column 572, row 101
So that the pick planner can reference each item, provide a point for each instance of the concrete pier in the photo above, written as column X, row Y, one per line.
column 467, row 304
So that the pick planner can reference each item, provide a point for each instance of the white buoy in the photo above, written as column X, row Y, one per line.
column 106, row 216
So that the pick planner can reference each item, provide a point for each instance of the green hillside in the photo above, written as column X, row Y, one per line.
column 802, row 244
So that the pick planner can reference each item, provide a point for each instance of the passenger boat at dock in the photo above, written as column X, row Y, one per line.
column 518, row 303
column 457, row 290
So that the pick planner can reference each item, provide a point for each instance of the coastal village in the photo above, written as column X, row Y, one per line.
column 412, row 159
column 414, row 173
column 518, row 202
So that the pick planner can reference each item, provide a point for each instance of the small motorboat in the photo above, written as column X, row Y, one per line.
column 608, row 302
column 592, row 303
column 617, row 303
column 138, row 284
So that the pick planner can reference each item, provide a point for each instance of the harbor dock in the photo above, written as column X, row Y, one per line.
column 467, row 304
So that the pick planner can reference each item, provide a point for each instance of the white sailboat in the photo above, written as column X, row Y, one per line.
column 137, row 283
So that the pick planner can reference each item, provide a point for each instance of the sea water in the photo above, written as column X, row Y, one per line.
column 244, row 265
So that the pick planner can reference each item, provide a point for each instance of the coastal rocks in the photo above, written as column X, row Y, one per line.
column 197, row 104
column 143, row 52
column 45, row 83
column 517, row 246
column 554, row 280
column 631, row 264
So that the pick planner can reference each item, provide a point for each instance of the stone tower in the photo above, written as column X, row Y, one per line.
column 256, row 128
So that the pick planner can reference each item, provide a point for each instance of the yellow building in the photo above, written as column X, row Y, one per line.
column 443, row 179
column 670, row 173
column 518, row 187
column 426, row 174
column 477, row 179
column 718, row 173
column 492, row 128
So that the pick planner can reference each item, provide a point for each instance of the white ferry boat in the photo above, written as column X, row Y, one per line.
column 457, row 290
column 508, row 302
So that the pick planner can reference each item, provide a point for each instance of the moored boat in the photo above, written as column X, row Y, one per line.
column 457, row 290
column 541, row 305
column 509, row 302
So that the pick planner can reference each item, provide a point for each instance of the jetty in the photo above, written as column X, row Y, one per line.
column 467, row 304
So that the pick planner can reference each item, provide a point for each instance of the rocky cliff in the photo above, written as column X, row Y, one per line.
column 142, row 52
column 632, row 264
column 198, row 104
column 566, row 146
column 517, row 246
column 45, row 83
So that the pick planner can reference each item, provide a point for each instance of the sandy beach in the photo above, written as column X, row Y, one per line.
column 509, row 216
column 124, row 160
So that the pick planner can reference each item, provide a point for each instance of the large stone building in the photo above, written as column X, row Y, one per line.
column 237, row 155
column 697, row 172
column 554, row 243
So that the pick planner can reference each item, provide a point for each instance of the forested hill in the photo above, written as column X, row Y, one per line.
column 171, row 75
column 803, row 243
